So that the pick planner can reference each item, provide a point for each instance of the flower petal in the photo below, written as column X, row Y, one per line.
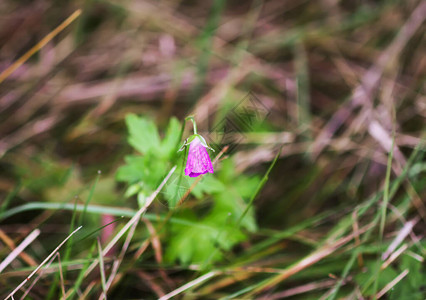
column 198, row 161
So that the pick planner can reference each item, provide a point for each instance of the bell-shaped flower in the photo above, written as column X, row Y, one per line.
column 198, row 162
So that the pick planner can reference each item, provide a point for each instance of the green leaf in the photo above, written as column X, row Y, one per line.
column 171, row 138
column 230, row 192
column 385, row 276
column 142, row 199
column 238, row 189
column 132, row 171
column 176, row 187
column 133, row 190
column 208, row 185
column 146, row 170
column 143, row 134
column 195, row 245
column 231, row 203
column 410, row 287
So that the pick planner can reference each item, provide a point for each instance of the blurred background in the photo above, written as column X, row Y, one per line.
column 334, row 90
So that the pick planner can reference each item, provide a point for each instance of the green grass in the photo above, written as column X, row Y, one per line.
column 328, row 174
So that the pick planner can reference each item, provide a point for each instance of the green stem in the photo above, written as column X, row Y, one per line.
column 193, row 123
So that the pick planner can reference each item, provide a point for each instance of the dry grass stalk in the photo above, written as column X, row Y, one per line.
column 391, row 284
column 18, row 251
column 42, row 264
column 39, row 45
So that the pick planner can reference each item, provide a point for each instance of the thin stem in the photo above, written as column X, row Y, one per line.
column 193, row 123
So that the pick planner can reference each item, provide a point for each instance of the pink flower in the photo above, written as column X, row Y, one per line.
column 198, row 162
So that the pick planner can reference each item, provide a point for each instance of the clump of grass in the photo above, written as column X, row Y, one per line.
column 337, row 89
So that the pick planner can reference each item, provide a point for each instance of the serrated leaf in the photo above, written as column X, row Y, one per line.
column 195, row 245
column 171, row 138
column 385, row 276
column 141, row 199
column 237, row 192
column 132, row 171
column 230, row 193
column 176, row 188
column 411, row 286
column 133, row 190
column 208, row 185
column 231, row 203
column 246, row 186
column 143, row 134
